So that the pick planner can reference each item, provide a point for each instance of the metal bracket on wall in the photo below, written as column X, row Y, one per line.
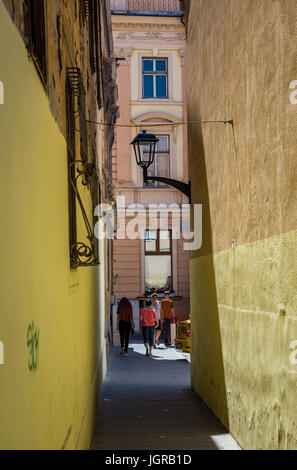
column 184, row 188
column 82, row 254
column 82, row 172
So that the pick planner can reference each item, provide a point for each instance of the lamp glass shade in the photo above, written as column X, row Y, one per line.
column 145, row 148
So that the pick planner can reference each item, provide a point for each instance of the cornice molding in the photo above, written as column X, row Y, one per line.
column 155, row 119
column 119, row 26
column 162, row 36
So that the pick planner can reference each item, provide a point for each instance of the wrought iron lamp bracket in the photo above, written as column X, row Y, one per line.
column 184, row 188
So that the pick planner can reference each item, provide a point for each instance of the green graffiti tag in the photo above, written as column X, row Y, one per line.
column 33, row 345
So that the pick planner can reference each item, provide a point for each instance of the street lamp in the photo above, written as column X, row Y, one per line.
column 145, row 149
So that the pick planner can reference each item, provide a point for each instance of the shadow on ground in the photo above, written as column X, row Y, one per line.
column 147, row 404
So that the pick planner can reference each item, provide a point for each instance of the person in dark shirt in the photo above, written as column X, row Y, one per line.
column 125, row 322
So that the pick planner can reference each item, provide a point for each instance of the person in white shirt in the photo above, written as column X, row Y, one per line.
column 156, row 305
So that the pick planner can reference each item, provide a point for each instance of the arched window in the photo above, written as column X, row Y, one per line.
column 161, row 165
column 165, row 160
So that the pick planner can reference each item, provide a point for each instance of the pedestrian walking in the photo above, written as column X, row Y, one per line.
column 167, row 313
column 149, row 321
column 125, row 322
column 156, row 305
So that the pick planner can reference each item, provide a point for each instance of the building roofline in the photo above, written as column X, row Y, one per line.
column 129, row 13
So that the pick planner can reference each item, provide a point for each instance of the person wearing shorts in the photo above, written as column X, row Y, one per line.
column 167, row 313
column 149, row 321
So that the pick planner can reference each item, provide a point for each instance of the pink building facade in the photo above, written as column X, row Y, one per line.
column 150, row 47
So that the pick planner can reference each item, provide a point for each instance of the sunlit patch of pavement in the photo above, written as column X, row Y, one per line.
column 161, row 353
column 225, row 442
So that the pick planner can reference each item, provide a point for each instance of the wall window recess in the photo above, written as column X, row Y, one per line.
column 161, row 165
column 89, row 9
column 92, row 9
column 158, row 261
column 35, row 30
column 82, row 174
column 154, row 78
column 84, row 10
column 93, row 34
column 81, row 101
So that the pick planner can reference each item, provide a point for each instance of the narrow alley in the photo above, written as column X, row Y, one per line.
column 148, row 187
column 147, row 404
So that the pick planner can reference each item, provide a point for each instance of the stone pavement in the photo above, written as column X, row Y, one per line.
column 147, row 404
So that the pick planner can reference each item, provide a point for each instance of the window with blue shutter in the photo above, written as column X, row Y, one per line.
column 154, row 78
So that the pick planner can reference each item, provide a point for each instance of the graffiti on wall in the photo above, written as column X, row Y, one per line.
column 33, row 346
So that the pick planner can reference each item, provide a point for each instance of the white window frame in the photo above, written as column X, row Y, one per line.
column 155, row 74
column 174, row 266
column 148, row 55
column 156, row 183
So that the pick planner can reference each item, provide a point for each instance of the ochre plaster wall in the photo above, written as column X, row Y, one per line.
column 241, row 58
column 52, row 405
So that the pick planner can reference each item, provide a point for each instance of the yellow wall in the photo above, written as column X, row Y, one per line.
column 243, row 308
column 39, row 409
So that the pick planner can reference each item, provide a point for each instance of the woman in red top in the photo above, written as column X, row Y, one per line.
column 125, row 322
column 149, row 320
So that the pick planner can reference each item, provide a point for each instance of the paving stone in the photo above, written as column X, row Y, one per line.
column 148, row 404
